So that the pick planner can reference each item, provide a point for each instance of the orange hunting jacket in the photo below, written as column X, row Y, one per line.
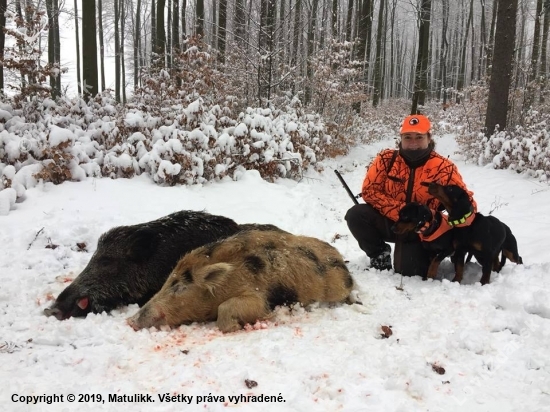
column 389, row 186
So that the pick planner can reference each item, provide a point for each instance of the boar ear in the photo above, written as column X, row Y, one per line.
column 212, row 276
column 142, row 244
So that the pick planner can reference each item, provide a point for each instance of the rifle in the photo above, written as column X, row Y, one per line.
column 353, row 197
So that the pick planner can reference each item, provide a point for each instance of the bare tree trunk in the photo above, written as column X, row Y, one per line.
column 153, row 30
column 444, row 47
column 364, row 29
column 122, row 39
column 222, row 21
column 101, row 42
column 239, row 22
column 175, row 26
column 24, row 80
column 473, row 59
column 137, row 36
column 161, row 34
column 78, row 79
column 270, row 28
column 454, row 55
column 425, row 52
column 349, row 21
column 491, row 45
column 324, row 16
column 297, row 32
column 378, row 60
column 168, row 32
column 392, row 50
column 462, row 74
column 419, row 73
column 261, row 50
column 334, row 19
column 199, row 18
column 545, row 28
column 483, row 42
column 310, row 48
column 282, row 30
column 183, row 22
column 144, row 41
column 501, row 77
column 54, row 45
column 57, row 56
column 531, row 83
column 385, row 79
column 116, row 5
column 214, row 25
column 3, row 8
column 520, row 50
column 265, row 48
column 89, row 45
column 249, row 92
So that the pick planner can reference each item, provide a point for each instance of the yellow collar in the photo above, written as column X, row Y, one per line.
column 459, row 221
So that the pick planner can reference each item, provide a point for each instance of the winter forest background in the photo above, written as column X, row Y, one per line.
column 203, row 90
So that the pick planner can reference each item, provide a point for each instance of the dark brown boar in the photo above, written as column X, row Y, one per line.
column 131, row 263
column 242, row 278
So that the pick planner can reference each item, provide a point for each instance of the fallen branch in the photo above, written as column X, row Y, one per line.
column 37, row 234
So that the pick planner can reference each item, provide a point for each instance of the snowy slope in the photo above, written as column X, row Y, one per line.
column 493, row 341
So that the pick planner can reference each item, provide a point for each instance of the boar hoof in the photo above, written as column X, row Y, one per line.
column 229, row 325
column 133, row 324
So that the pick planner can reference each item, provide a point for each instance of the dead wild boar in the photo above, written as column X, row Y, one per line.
column 131, row 263
column 242, row 278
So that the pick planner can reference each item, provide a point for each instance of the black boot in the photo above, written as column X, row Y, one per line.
column 382, row 261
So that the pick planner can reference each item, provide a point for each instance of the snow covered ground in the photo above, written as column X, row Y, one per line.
column 491, row 343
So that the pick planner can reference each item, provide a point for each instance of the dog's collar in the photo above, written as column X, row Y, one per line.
column 439, row 229
column 462, row 220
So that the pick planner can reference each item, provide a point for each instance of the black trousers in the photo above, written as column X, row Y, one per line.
column 372, row 231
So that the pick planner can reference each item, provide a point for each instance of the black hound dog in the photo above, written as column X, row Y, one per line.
column 485, row 237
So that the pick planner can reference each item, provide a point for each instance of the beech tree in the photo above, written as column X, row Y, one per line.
column 501, row 73
column 3, row 6
column 420, row 74
column 54, row 46
column 89, row 47
column 77, row 35
column 101, row 42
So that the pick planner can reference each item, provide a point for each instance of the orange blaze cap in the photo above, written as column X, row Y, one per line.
column 416, row 123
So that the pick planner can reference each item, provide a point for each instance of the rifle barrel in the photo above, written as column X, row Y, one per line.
column 346, row 187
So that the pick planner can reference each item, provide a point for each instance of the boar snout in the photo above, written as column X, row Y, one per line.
column 147, row 317
column 53, row 311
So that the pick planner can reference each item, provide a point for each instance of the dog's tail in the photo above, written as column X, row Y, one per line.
column 510, row 249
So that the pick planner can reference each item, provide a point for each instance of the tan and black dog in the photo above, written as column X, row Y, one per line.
column 436, row 236
column 486, row 237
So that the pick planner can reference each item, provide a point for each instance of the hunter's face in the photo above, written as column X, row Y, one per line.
column 415, row 141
